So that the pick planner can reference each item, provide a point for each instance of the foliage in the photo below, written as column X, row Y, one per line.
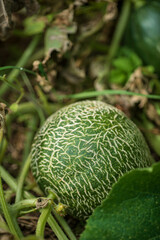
column 131, row 210
column 67, row 51
column 143, row 33
column 124, row 65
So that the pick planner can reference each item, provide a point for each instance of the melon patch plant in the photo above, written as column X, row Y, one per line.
column 82, row 149
column 143, row 33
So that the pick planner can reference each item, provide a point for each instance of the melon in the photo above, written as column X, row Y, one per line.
column 82, row 150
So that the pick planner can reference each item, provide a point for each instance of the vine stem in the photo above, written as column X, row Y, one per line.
column 12, row 224
column 43, row 217
column 32, row 123
column 65, row 226
column 22, row 178
column 122, row 21
column 108, row 92
column 23, row 204
column 59, row 234
column 46, row 215
column 18, row 68
column 27, row 107
column 119, row 30
column 22, row 61
column 11, row 221
column 22, row 109
column 3, row 147
column 53, row 224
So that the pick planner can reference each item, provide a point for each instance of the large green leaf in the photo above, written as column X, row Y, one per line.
column 131, row 211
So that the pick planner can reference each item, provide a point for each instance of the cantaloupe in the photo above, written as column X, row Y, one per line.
column 82, row 149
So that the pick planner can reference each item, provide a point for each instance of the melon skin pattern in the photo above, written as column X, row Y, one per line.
column 82, row 149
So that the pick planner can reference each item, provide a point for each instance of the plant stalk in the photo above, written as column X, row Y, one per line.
column 64, row 224
column 23, row 204
column 21, row 63
column 29, row 136
column 118, row 34
column 43, row 218
column 12, row 223
column 21, row 179
column 109, row 92
column 46, row 216
column 53, row 224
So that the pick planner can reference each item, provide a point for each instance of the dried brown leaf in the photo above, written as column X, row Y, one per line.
column 111, row 12
column 79, row 3
column 56, row 37
column 138, row 83
column 46, row 84
column 65, row 17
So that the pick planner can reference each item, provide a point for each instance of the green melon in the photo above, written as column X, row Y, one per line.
column 82, row 149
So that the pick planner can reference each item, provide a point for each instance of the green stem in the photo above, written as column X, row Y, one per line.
column 12, row 224
column 118, row 34
column 22, row 61
column 3, row 147
column 43, row 99
column 23, row 204
column 12, row 183
column 18, row 68
column 28, row 84
column 43, row 218
column 21, row 179
column 25, row 108
column 22, row 109
column 148, row 130
column 57, row 230
column 1, row 127
column 53, row 224
column 8, row 179
column 108, row 92
column 29, row 136
column 64, row 225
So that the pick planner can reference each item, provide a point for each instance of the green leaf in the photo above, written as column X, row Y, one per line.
column 56, row 38
column 42, row 71
column 124, row 64
column 136, row 61
column 34, row 25
column 14, row 107
column 129, row 53
column 117, row 76
column 131, row 211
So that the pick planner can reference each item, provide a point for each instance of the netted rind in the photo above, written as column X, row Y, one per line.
column 83, row 149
